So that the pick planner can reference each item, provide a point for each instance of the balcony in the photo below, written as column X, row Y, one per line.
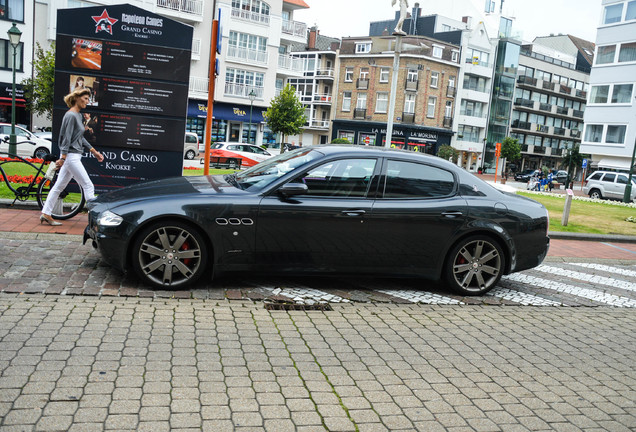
column 574, row 133
column 448, row 122
column 191, row 7
column 362, row 84
column 521, row 125
column 565, row 89
column 411, row 85
column 243, row 91
column 524, row 79
column 322, row 99
column 545, row 107
column 290, row 64
column 559, row 131
column 247, row 15
column 538, row 150
column 196, row 49
column 562, row 110
column 581, row 94
column 408, row 117
column 543, row 128
column 318, row 124
column 547, row 85
column 577, row 113
column 327, row 73
column 295, row 28
column 248, row 55
column 451, row 91
column 477, row 62
column 199, row 85
column 524, row 148
column 524, row 102
column 359, row 113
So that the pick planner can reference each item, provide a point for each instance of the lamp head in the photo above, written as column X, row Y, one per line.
column 252, row 95
column 14, row 35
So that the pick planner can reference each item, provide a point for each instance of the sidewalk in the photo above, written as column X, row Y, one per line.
column 564, row 245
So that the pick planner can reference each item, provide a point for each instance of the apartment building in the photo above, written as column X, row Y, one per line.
column 424, row 102
column 610, row 117
column 316, row 87
column 255, row 60
column 20, row 13
column 550, row 98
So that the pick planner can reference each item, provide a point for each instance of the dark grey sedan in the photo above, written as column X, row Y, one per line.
column 323, row 210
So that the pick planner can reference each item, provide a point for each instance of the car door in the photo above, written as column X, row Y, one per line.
column 417, row 214
column 610, row 186
column 324, row 229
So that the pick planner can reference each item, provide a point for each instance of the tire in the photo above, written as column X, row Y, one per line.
column 169, row 255
column 190, row 154
column 475, row 265
column 70, row 202
column 40, row 152
column 596, row 194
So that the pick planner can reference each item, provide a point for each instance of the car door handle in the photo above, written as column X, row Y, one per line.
column 352, row 213
column 452, row 214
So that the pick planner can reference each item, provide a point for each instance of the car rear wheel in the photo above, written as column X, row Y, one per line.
column 41, row 152
column 475, row 265
column 596, row 194
column 190, row 154
column 169, row 255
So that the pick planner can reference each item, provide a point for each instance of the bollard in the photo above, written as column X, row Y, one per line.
column 566, row 210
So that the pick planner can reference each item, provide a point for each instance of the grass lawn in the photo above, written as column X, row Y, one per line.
column 587, row 217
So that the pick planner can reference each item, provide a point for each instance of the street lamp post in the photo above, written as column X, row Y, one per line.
column 628, row 187
column 14, row 38
column 252, row 96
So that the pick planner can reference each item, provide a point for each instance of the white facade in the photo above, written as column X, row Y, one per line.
column 610, row 116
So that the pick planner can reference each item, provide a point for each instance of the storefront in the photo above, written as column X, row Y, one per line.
column 21, row 115
column 405, row 136
column 231, row 123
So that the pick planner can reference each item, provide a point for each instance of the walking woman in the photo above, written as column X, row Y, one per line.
column 72, row 144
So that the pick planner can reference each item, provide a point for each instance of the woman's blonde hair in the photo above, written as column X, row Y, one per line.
column 73, row 96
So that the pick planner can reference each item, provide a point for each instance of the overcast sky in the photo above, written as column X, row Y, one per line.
column 338, row 18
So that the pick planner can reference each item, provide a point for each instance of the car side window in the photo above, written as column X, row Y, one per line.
column 609, row 177
column 340, row 178
column 257, row 150
column 622, row 179
column 596, row 176
column 414, row 180
column 234, row 147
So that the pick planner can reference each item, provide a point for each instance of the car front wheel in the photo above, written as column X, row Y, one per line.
column 475, row 265
column 41, row 152
column 596, row 194
column 190, row 154
column 169, row 255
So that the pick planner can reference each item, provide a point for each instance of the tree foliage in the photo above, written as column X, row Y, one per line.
column 38, row 90
column 511, row 149
column 286, row 114
column 447, row 152
column 572, row 160
column 340, row 141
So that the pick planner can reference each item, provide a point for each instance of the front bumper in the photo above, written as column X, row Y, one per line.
column 111, row 248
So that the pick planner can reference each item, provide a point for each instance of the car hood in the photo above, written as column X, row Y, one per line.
column 170, row 187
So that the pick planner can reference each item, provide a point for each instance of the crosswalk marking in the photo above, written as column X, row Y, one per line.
column 420, row 297
column 590, row 294
column 608, row 269
column 616, row 283
column 307, row 295
column 504, row 292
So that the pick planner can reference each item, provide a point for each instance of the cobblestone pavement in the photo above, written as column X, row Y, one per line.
column 73, row 363
column 62, row 265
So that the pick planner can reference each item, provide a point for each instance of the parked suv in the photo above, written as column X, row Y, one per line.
column 608, row 185
column 191, row 146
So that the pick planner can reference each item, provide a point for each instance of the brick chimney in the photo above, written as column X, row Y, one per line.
column 313, row 37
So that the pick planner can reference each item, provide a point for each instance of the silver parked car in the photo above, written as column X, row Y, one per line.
column 608, row 185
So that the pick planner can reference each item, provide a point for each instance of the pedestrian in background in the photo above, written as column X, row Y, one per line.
column 72, row 144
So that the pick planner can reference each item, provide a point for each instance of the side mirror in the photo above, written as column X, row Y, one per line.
column 6, row 138
column 293, row 189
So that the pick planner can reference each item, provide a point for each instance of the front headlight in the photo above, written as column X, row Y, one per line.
column 108, row 218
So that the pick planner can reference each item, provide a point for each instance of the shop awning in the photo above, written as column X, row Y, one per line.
column 225, row 111
column 7, row 101
column 614, row 163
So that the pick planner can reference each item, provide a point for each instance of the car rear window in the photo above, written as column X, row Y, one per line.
column 609, row 177
column 596, row 176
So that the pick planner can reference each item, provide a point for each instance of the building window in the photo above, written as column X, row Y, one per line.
column 455, row 56
column 384, row 75
column 613, row 13
column 348, row 135
column 448, row 111
column 240, row 82
column 6, row 56
column 411, row 75
column 346, row 101
column 364, row 73
column 409, row 103
column 361, row 102
column 615, row 134
column 381, row 102
column 434, row 79
column 599, row 94
column 348, row 77
column 631, row 11
column 363, row 47
column 430, row 109
column 468, row 133
column 606, row 54
column 627, row 52
column 12, row 10
column 622, row 93
column 438, row 51
column 593, row 133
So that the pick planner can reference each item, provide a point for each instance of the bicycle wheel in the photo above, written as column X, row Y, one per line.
column 68, row 204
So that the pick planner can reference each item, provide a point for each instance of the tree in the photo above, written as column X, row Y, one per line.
column 510, row 151
column 447, row 152
column 286, row 114
column 572, row 159
column 38, row 90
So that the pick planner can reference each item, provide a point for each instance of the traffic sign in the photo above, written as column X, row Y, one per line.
column 584, row 163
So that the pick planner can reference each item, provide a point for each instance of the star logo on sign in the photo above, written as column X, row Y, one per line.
column 104, row 23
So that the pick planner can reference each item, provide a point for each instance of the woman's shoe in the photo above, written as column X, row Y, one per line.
column 44, row 219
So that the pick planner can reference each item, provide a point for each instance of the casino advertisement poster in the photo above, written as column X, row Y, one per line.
column 136, row 65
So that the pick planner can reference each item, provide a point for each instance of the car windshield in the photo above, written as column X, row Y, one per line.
column 261, row 175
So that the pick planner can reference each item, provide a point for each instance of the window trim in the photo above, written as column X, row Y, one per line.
column 428, row 106
column 363, row 47
column 346, row 74
column 388, row 74
column 435, row 48
column 435, row 77
column 386, row 101
column 610, row 94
